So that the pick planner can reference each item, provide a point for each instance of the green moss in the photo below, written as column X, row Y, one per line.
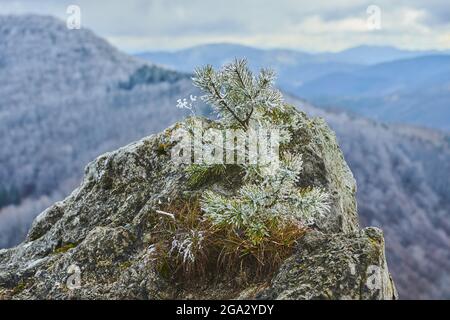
column 21, row 286
column 64, row 248
column 163, row 149
column 125, row 265
column 374, row 242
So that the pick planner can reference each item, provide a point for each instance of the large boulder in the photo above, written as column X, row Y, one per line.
column 96, row 243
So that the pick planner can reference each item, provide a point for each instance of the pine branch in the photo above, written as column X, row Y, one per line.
column 225, row 105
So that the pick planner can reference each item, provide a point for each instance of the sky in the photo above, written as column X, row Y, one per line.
column 319, row 25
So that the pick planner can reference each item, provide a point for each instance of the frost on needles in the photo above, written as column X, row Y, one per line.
column 261, row 221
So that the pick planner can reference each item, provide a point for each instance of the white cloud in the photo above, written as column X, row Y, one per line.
column 137, row 25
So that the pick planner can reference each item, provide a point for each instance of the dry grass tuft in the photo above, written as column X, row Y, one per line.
column 190, row 248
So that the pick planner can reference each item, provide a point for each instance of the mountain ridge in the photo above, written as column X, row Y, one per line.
column 353, row 55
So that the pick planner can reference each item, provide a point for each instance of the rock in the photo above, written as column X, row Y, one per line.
column 335, row 266
column 96, row 243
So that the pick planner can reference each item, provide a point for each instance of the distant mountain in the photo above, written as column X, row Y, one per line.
column 294, row 68
column 220, row 53
column 415, row 89
column 368, row 55
column 68, row 96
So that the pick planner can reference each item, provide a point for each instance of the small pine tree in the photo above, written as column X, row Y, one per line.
column 240, row 98
column 269, row 200
column 236, row 95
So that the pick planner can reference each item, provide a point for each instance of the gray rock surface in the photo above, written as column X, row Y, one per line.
column 96, row 243
column 335, row 266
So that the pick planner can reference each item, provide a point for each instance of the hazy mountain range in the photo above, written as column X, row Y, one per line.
column 68, row 96
column 383, row 83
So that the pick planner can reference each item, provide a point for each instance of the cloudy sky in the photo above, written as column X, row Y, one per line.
column 319, row 25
